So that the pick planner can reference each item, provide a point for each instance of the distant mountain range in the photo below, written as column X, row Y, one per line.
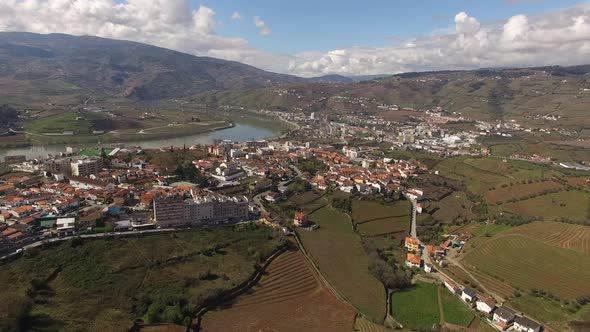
column 116, row 68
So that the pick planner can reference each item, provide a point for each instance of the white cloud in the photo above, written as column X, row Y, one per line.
column 560, row 37
column 236, row 16
column 172, row 24
column 264, row 30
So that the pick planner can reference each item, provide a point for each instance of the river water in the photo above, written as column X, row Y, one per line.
column 239, row 132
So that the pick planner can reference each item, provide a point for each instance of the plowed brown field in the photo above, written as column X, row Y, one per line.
column 289, row 297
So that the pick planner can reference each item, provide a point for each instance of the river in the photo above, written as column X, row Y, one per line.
column 239, row 132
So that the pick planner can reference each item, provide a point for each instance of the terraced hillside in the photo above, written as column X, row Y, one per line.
column 289, row 297
column 528, row 263
column 575, row 237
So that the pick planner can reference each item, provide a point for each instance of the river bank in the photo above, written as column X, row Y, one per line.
column 237, row 131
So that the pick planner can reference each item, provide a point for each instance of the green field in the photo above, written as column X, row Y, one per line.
column 106, row 284
column 384, row 226
column 338, row 252
column 80, row 124
column 365, row 210
column 416, row 308
column 554, row 314
column 454, row 310
column 573, row 205
column 519, row 191
column 527, row 263
column 483, row 174
column 455, row 208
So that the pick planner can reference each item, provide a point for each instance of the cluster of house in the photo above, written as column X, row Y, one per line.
column 414, row 258
column 363, row 175
column 43, row 203
column 500, row 316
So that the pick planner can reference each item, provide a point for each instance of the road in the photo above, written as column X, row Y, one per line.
column 413, row 231
column 258, row 198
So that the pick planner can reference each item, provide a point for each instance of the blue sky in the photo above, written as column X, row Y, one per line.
column 319, row 37
column 322, row 25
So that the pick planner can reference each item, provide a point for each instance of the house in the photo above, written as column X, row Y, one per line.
column 412, row 243
column 22, row 211
column 66, row 225
column 413, row 260
column 430, row 250
column 468, row 295
column 272, row 197
column 428, row 267
column 503, row 318
column 300, row 220
column 451, row 286
column 485, row 305
column 523, row 324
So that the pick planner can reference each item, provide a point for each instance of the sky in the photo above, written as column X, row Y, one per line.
column 319, row 37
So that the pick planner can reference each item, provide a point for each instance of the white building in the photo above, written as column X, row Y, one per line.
column 523, row 324
column 86, row 167
column 65, row 225
column 468, row 295
column 485, row 305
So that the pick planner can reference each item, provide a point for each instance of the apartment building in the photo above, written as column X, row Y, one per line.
column 86, row 167
column 200, row 210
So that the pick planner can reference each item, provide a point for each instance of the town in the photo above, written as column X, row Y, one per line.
column 111, row 191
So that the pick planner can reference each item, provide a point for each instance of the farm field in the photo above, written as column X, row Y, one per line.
column 494, row 286
column 416, row 308
column 384, row 226
column 578, row 181
column 70, row 283
column 490, row 229
column 553, row 314
column 454, row 310
column 289, row 297
column 483, row 174
column 523, row 262
column 567, row 236
column 362, row 324
column 517, row 191
column 363, row 210
column 337, row 251
column 566, row 204
column 455, row 207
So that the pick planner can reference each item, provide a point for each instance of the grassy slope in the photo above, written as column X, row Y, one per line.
column 417, row 307
column 527, row 263
column 454, row 310
column 338, row 252
column 105, row 284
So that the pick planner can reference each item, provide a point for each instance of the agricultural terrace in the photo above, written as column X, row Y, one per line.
column 288, row 297
column 527, row 264
column 483, row 174
column 553, row 314
column 337, row 251
column 454, row 310
column 567, row 236
column 384, row 226
column 573, row 205
column 362, row 324
column 518, row 191
column 455, row 208
column 366, row 210
column 579, row 181
column 494, row 286
column 107, row 284
column 416, row 308
column 375, row 218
